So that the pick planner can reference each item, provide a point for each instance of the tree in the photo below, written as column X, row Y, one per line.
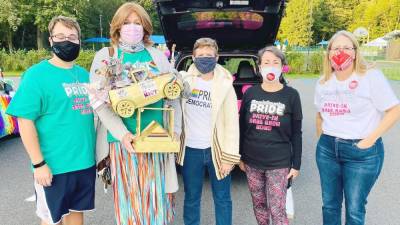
column 321, row 27
column 90, row 20
column 331, row 16
column 378, row 16
column 342, row 12
column 23, row 22
column 151, row 10
column 18, row 18
column 42, row 11
column 9, row 20
column 297, row 23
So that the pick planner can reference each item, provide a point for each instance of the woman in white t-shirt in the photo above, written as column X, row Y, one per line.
column 210, row 136
column 356, row 105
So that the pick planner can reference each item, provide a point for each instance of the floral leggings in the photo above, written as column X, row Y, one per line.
column 268, row 191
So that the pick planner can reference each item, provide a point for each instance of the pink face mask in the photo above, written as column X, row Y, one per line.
column 131, row 33
column 341, row 61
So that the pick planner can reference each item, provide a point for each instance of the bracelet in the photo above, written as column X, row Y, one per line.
column 42, row 163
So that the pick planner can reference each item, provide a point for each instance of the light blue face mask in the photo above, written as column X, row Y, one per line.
column 205, row 64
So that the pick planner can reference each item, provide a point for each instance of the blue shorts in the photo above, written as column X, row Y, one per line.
column 69, row 192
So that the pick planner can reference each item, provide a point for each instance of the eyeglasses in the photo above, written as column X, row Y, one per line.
column 63, row 37
column 346, row 49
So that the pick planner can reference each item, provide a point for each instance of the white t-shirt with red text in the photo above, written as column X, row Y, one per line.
column 353, row 108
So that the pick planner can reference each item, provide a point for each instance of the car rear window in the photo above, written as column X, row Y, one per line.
column 232, row 64
column 220, row 19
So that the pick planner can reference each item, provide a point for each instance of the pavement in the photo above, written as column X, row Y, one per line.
column 382, row 209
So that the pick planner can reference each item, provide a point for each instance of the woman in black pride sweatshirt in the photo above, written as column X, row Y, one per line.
column 270, row 138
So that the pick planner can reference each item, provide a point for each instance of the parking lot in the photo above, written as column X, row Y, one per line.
column 382, row 209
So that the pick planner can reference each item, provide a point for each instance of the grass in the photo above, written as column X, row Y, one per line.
column 13, row 73
column 392, row 73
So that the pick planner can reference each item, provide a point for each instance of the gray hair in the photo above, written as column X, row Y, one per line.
column 206, row 42
column 274, row 50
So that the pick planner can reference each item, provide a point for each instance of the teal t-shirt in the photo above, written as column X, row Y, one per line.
column 139, row 59
column 56, row 100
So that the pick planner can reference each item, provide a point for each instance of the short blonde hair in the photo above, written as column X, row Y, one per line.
column 360, row 64
column 122, row 14
column 205, row 42
column 66, row 21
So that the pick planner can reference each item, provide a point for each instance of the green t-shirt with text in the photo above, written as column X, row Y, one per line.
column 56, row 100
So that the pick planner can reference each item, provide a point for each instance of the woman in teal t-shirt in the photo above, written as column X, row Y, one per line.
column 143, row 183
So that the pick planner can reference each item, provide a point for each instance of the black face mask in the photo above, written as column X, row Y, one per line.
column 66, row 50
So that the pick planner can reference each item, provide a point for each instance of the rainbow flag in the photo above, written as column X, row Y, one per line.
column 8, row 124
column 153, row 68
column 195, row 93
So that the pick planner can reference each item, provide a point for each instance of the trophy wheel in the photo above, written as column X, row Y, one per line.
column 172, row 90
column 125, row 108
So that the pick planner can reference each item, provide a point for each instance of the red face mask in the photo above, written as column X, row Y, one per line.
column 341, row 61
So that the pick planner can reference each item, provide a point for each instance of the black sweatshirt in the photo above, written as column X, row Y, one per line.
column 270, row 128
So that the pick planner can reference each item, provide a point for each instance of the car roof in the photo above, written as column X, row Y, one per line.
column 234, row 24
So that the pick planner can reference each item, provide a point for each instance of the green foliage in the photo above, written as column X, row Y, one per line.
column 316, row 62
column 21, row 60
column 378, row 16
column 10, row 20
column 44, row 10
column 9, row 61
column 90, row 20
column 296, row 61
column 19, row 14
column 309, row 62
column 341, row 13
column 330, row 16
column 149, row 6
column 321, row 26
column 296, row 25
column 85, row 59
column 10, row 13
column 34, row 56
column 306, row 22
column 392, row 73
